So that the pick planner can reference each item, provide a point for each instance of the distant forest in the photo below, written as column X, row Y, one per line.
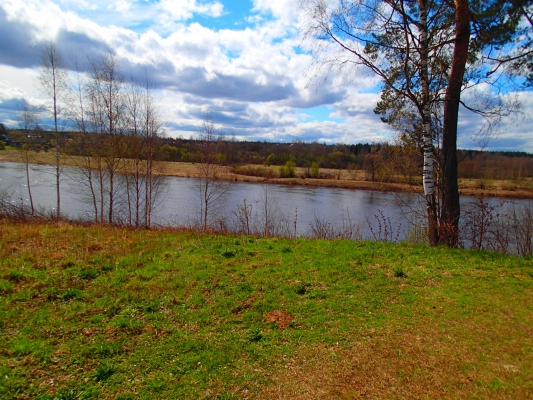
column 379, row 160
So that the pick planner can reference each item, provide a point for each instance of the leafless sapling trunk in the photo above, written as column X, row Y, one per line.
column 210, row 188
column 52, row 81
column 29, row 124
column 78, row 148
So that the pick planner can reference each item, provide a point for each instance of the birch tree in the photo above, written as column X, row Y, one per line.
column 420, row 50
column 144, row 129
column 117, row 142
column 52, row 81
column 106, row 111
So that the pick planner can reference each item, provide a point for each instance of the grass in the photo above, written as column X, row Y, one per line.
column 104, row 312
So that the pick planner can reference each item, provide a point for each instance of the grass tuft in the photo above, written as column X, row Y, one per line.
column 229, row 253
column 67, row 394
column 88, row 274
column 286, row 249
column 16, row 276
column 71, row 293
column 301, row 289
column 104, row 372
column 399, row 273
column 255, row 335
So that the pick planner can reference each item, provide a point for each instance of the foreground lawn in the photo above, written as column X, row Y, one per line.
column 101, row 312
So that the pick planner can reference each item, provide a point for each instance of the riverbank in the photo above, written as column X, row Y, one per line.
column 511, row 189
column 106, row 312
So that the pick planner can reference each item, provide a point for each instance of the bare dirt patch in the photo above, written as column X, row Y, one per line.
column 280, row 318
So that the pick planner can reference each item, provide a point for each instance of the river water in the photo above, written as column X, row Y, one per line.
column 379, row 215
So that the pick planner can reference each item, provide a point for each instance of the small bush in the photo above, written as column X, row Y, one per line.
column 315, row 170
column 288, row 170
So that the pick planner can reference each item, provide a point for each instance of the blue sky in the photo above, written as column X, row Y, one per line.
column 240, row 61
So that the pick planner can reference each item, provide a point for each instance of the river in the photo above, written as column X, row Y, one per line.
column 377, row 215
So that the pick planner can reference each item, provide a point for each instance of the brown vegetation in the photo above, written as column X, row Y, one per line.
column 521, row 188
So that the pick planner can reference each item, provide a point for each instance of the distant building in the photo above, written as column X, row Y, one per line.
column 6, row 140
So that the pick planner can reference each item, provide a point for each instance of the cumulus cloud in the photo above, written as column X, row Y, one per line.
column 17, row 47
column 181, row 10
column 251, row 78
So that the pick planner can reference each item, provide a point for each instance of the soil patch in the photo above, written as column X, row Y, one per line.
column 282, row 319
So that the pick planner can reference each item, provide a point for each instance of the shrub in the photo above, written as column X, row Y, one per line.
column 288, row 170
column 315, row 170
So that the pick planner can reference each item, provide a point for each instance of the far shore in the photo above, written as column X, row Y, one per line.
column 509, row 189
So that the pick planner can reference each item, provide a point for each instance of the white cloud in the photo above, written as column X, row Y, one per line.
column 253, row 80
column 17, row 83
column 170, row 13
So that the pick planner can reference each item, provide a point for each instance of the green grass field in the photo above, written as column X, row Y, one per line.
column 104, row 312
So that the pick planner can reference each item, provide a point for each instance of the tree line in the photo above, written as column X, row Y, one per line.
column 380, row 161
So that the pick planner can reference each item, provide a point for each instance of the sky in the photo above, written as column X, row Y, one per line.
column 241, row 62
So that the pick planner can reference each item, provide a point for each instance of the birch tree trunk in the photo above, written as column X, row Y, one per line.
column 427, row 173
column 53, row 82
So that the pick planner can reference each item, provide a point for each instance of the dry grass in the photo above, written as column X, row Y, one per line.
column 517, row 189
column 425, row 362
